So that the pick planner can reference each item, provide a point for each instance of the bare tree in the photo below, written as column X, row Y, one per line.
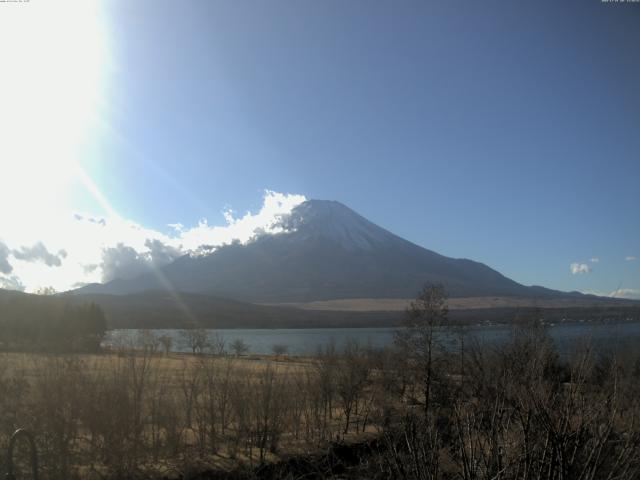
column 218, row 345
column 196, row 339
column 268, row 410
column 147, row 341
column 352, row 377
column 326, row 368
column 239, row 347
column 425, row 315
column 167, row 342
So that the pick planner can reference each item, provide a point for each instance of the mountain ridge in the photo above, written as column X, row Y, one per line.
column 326, row 251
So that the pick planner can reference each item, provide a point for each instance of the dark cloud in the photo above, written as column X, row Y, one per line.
column 161, row 254
column 40, row 253
column 123, row 261
column 5, row 266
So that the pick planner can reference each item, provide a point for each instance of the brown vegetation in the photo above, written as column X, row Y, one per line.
column 471, row 412
column 140, row 413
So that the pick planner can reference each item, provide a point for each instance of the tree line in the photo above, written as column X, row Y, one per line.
column 50, row 323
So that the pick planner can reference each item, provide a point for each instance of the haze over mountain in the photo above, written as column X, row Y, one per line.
column 327, row 251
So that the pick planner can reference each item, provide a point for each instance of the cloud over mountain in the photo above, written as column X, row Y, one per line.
column 325, row 251
column 241, row 229
column 11, row 283
column 96, row 249
column 628, row 293
column 123, row 261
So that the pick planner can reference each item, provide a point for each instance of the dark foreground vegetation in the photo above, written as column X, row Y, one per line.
column 420, row 410
column 48, row 323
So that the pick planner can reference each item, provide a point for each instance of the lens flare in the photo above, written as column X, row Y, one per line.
column 54, row 57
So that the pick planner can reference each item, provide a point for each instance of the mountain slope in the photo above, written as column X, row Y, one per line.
column 327, row 252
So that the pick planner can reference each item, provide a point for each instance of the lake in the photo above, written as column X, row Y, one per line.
column 307, row 341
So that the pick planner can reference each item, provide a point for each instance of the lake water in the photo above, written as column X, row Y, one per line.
column 307, row 341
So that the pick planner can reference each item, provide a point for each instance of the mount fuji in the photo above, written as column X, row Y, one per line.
column 326, row 251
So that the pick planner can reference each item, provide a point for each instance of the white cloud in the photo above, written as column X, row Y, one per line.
column 93, row 249
column 594, row 260
column 242, row 229
column 631, row 258
column 628, row 293
column 579, row 268
column 11, row 283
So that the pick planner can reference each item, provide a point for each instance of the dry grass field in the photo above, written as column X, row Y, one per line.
column 459, row 303
column 141, row 413
column 474, row 413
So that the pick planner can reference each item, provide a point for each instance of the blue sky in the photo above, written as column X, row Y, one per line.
column 505, row 132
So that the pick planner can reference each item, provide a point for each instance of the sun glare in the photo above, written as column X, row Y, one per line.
column 53, row 59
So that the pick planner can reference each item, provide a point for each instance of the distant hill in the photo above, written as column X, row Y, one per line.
column 467, row 303
column 160, row 309
column 327, row 252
